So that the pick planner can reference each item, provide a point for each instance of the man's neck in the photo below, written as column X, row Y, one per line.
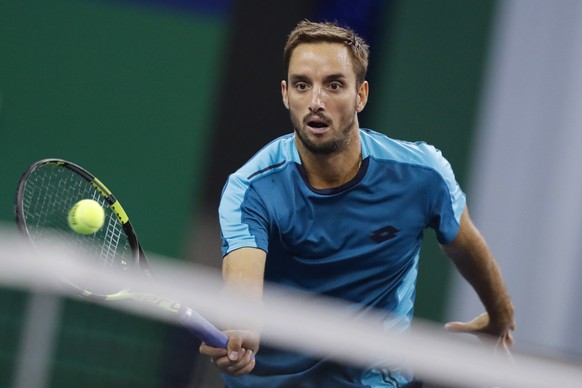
column 329, row 171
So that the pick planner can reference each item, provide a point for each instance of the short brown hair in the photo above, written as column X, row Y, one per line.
column 311, row 32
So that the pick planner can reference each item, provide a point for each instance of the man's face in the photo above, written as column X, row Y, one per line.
column 321, row 96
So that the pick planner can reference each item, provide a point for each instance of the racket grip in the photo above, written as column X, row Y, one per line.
column 204, row 330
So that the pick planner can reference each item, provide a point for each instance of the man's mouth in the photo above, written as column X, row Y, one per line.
column 317, row 125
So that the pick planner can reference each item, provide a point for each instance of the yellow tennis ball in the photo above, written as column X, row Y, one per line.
column 86, row 217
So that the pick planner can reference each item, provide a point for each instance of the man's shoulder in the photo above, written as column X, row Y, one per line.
column 275, row 155
column 384, row 148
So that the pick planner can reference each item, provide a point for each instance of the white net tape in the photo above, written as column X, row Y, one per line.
column 314, row 325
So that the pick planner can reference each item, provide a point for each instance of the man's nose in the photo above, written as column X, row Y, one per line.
column 317, row 100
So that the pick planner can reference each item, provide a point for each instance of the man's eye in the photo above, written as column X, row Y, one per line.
column 335, row 85
column 301, row 86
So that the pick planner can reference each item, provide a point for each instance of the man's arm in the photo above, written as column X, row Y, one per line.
column 243, row 271
column 473, row 259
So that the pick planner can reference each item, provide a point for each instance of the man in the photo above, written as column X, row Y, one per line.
column 338, row 210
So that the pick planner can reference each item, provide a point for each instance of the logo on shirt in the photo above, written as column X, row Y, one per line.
column 384, row 234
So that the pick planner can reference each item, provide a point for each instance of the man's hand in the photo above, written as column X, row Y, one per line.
column 239, row 357
column 484, row 329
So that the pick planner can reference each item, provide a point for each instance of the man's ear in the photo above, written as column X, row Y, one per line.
column 362, row 98
column 284, row 93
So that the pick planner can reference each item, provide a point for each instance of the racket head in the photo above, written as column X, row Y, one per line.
column 47, row 191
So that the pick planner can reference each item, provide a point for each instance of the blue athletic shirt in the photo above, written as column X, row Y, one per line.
column 359, row 242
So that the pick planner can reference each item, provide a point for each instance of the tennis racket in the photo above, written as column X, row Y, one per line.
column 47, row 191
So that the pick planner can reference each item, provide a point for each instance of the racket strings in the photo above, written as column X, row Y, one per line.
column 116, row 237
column 49, row 194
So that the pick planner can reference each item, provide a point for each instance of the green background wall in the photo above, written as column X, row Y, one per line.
column 127, row 92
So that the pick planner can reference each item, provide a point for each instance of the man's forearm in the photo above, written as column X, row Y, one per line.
column 473, row 259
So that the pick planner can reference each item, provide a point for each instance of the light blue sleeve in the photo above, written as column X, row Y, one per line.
column 447, row 199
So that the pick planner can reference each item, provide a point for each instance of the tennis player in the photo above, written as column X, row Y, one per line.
column 338, row 210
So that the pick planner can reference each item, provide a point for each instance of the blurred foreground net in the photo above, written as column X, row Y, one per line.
column 49, row 339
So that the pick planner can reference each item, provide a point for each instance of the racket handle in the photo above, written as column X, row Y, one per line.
column 204, row 330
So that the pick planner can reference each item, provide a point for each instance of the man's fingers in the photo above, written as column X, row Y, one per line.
column 245, row 364
column 473, row 325
column 509, row 339
column 456, row 327
column 235, row 350
column 236, row 359
column 210, row 351
column 503, row 346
